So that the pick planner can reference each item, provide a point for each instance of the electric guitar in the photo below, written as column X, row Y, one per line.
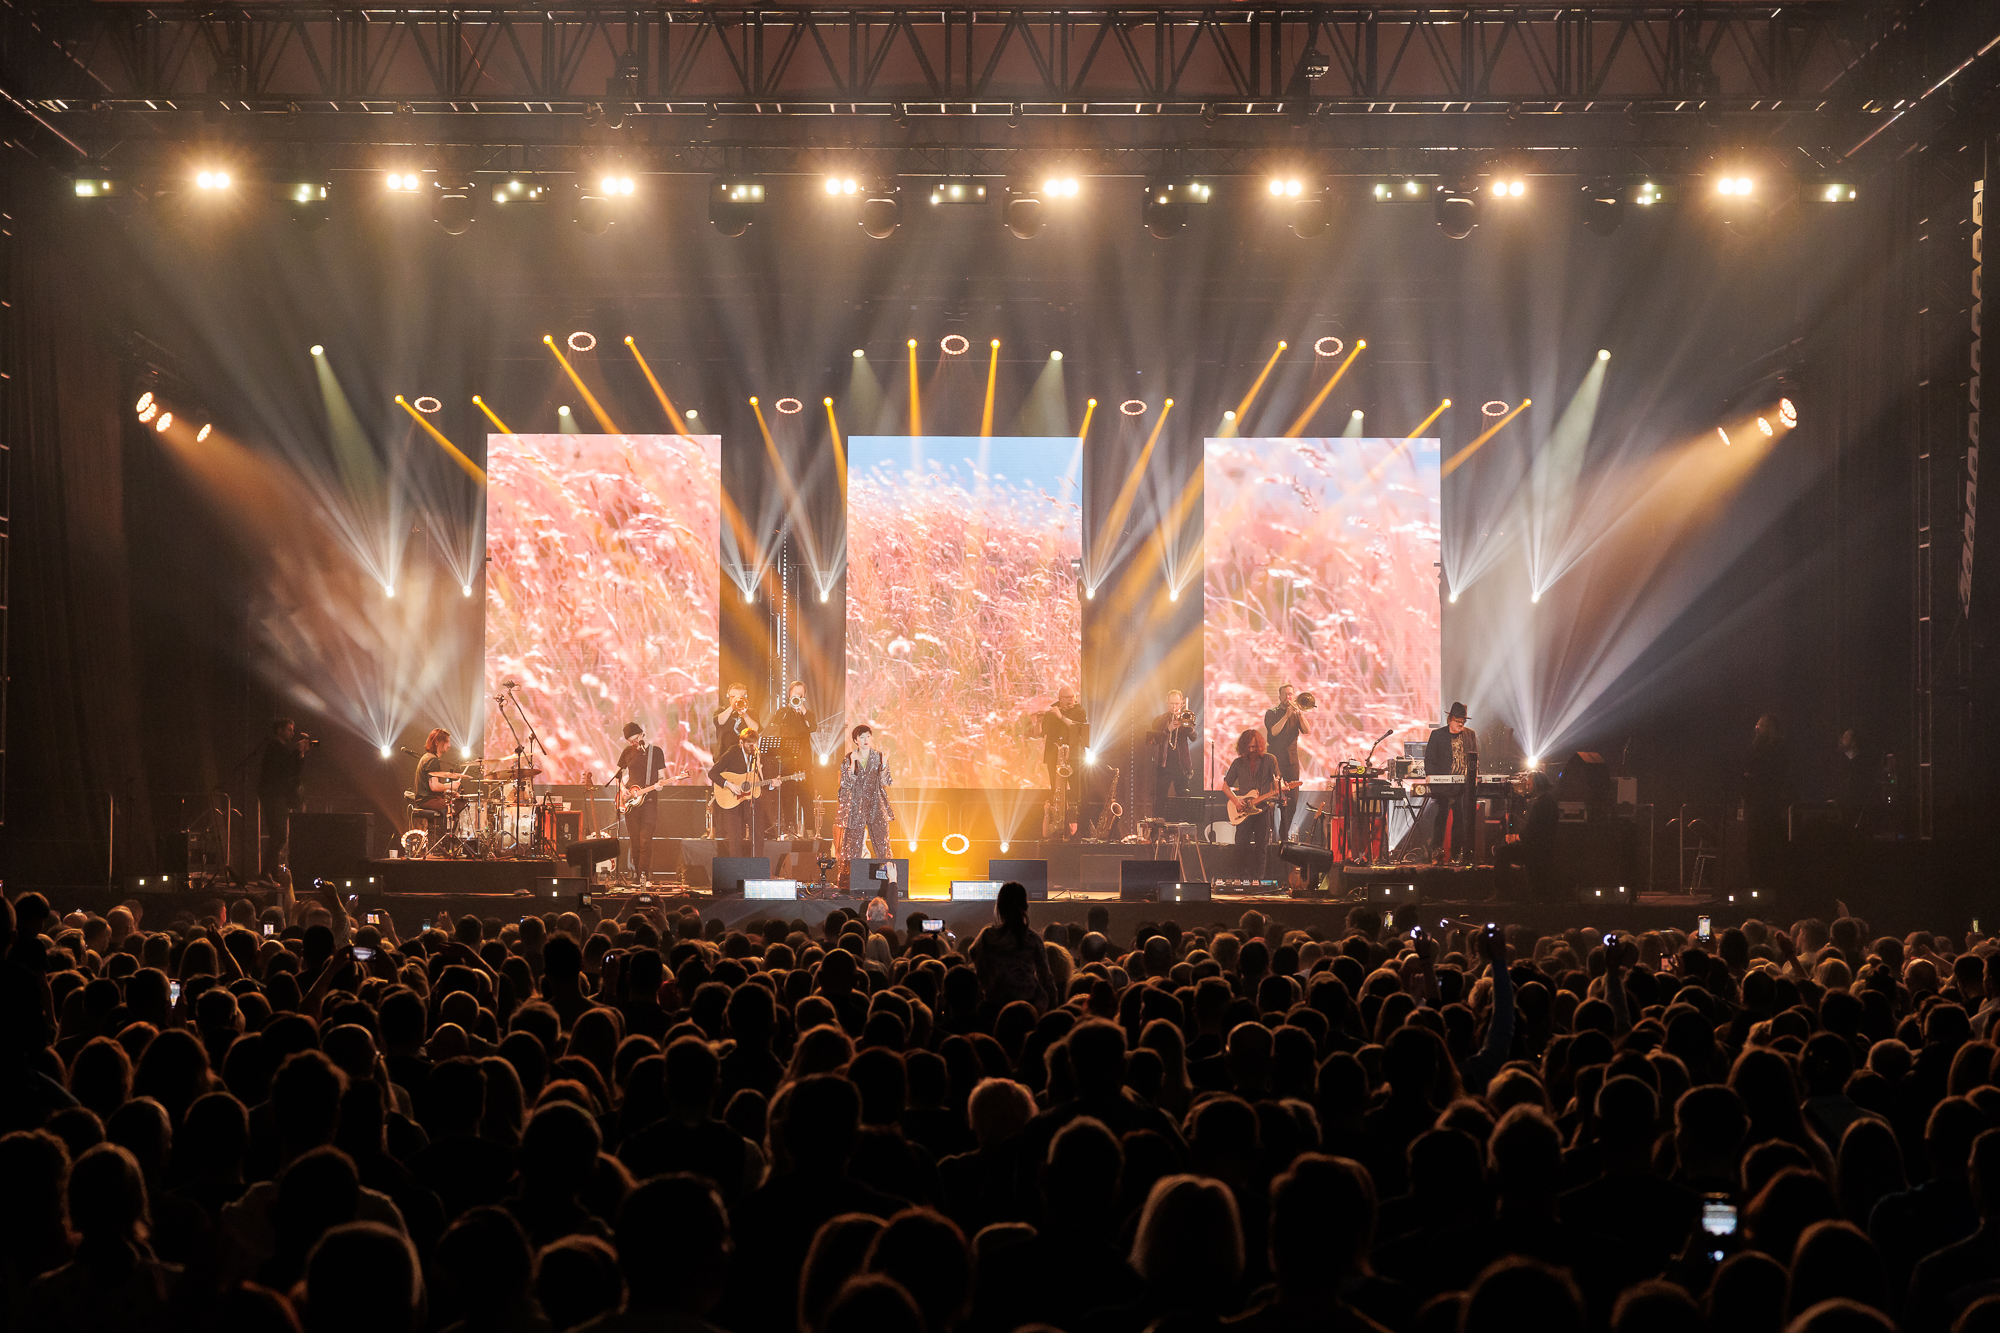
column 1243, row 807
column 631, row 798
column 735, row 788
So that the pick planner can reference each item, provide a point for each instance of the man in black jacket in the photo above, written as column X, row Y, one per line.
column 1452, row 749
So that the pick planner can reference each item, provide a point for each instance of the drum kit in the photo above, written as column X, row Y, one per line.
column 488, row 818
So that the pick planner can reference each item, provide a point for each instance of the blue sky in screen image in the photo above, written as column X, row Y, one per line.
column 1047, row 462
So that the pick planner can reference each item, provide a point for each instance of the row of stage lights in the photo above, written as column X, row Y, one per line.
column 597, row 202
column 152, row 412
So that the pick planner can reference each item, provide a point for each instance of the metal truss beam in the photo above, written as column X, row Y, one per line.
column 1770, row 61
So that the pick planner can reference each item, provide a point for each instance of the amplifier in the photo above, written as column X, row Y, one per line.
column 328, row 846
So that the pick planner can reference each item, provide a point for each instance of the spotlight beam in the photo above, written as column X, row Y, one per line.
column 1314, row 406
column 680, row 427
column 1423, row 425
column 793, row 501
column 1258, row 384
column 1114, row 521
column 992, row 376
column 472, row 469
column 1457, row 460
column 491, row 416
column 916, row 398
column 839, row 447
column 589, row 398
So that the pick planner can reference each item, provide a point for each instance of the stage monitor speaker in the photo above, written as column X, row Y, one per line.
column 697, row 854
column 1184, row 891
column 1142, row 881
column 1031, row 875
column 865, row 879
column 331, row 845
column 727, row 873
column 1099, row 874
column 591, row 851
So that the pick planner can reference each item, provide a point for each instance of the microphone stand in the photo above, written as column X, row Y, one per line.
column 1368, row 764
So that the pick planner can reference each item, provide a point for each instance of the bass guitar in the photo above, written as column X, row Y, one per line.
column 1243, row 807
column 736, row 788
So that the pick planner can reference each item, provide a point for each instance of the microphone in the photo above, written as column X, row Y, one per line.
column 408, row 751
column 1385, row 735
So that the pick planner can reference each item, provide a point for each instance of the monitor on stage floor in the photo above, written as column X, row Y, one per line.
column 602, row 586
column 1322, row 573
column 963, row 616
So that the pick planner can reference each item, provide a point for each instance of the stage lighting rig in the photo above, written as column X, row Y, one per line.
column 1401, row 190
column 1456, row 208
column 1828, row 192
column 451, row 205
column 881, row 212
column 304, row 200
column 733, row 202
column 1165, row 210
column 100, row 187
column 1023, row 212
column 1603, row 206
column 958, row 190
column 602, row 198
column 524, row 189
column 403, row 182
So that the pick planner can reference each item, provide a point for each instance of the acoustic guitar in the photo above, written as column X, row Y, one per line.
column 736, row 788
column 1243, row 807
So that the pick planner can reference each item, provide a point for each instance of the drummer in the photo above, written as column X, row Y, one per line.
column 436, row 786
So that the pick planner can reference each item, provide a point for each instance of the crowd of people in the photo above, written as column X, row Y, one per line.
column 302, row 1118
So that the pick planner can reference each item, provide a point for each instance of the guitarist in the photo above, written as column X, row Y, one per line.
column 736, row 832
column 1252, row 777
column 641, row 769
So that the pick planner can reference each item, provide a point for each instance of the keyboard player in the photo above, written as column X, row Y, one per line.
column 1454, row 749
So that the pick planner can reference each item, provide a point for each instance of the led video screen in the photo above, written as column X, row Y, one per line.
column 963, row 615
column 602, row 580
column 1321, row 572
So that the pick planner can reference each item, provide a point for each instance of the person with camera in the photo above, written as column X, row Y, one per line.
column 1284, row 725
column 281, row 789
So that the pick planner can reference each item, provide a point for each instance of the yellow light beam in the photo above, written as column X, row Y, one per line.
column 1326, row 389
column 680, row 427
column 916, row 403
column 1453, row 463
column 1115, row 518
column 1262, row 375
column 491, row 416
column 839, row 449
column 589, row 398
column 1089, row 411
column 992, row 373
column 1436, row 412
column 472, row 469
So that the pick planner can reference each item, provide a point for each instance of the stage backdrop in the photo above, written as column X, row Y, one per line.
column 1321, row 562
column 962, row 600
column 602, row 579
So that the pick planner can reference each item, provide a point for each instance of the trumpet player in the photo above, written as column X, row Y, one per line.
column 1172, row 744
column 733, row 721
column 1284, row 725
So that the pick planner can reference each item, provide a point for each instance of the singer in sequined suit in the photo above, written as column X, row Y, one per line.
column 864, row 800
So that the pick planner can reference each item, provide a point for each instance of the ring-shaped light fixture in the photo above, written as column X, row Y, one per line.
column 582, row 341
column 954, row 344
column 963, row 844
column 1329, row 346
column 1132, row 407
column 1493, row 408
column 428, row 405
column 790, row 406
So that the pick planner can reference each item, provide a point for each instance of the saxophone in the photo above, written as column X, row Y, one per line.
column 1055, row 815
column 1113, row 812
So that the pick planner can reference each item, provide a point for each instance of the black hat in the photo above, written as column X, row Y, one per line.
column 1457, row 710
